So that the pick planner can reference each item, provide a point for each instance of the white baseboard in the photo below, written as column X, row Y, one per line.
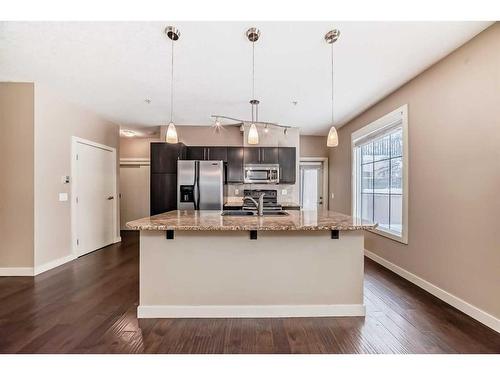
column 248, row 311
column 16, row 271
column 53, row 264
column 473, row 311
column 117, row 239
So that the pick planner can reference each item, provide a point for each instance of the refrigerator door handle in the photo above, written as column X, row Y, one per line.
column 196, row 185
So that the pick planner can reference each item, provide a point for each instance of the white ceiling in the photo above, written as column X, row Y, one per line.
column 112, row 67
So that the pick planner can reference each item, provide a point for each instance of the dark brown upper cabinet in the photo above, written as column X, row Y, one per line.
column 164, row 156
column 261, row 155
column 269, row 155
column 216, row 153
column 234, row 165
column 251, row 155
column 288, row 164
column 207, row 153
column 195, row 153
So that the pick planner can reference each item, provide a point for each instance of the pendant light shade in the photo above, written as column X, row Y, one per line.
column 253, row 135
column 172, row 134
column 333, row 138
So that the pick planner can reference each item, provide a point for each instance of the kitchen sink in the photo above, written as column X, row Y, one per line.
column 238, row 213
column 275, row 213
column 253, row 213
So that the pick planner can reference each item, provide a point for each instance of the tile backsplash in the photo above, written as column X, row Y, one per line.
column 234, row 192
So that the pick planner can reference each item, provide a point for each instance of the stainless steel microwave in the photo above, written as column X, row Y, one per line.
column 261, row 174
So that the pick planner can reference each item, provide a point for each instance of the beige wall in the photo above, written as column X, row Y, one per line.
column 17, row 170
column 56, row 121
column 206, row 136
column 135, row 148
column 454, row 173
column 313, row 146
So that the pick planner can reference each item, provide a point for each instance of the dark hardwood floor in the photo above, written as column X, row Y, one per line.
column 89, row 306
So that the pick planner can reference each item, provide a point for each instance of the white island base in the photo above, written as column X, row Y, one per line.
column 225, row 274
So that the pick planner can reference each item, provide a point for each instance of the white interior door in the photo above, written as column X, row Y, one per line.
column 95, row 200
column 311, row 186
column 134, row 193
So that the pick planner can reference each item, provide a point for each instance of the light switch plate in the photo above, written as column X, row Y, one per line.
column 63, row 197
column 236, row 191
column 283, row 192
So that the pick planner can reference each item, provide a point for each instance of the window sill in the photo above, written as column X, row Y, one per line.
column 398, row 238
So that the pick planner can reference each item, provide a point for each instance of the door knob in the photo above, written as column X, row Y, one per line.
column 110, row 198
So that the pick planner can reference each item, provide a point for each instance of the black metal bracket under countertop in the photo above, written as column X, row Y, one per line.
column 335, row 234
column 253, row 234
column 170, row 234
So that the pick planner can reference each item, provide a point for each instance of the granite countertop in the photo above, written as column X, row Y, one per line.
column 213, row 221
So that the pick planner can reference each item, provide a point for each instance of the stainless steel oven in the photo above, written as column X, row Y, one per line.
column 262, row 173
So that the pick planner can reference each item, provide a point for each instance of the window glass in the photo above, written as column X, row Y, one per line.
column 367, row 153
column 397, row 143
column 381, row 148
column 379, row 183
column 367, row 178
column 397, row 175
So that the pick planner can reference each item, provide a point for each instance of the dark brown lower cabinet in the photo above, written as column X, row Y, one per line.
column 163, row 196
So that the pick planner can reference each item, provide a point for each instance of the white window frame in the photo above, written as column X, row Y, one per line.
column 377, row 126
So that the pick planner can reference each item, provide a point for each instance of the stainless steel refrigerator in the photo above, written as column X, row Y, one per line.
column 200, row 185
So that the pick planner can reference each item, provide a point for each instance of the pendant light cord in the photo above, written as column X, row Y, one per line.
column 253, row 78
column 253, row 70
column 172, row 85
column 332, row 84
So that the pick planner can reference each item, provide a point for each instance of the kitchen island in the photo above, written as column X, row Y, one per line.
column 202, row 264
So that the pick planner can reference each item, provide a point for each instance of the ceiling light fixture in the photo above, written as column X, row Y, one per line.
column 173, row 34
column 333, row 140
column 127, row 133
column 253, row 35
column 217, row 125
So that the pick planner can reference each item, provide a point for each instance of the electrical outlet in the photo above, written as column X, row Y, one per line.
column 236, row 191
column 283, row 192
column 63, row 197
column 333, row 195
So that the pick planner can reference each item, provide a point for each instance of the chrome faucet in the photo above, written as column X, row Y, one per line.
column 259, row 205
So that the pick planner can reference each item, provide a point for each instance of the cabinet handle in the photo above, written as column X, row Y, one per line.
column 208, row 152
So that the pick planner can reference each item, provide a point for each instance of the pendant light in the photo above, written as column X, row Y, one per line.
column 253, row 35
column 332, row 140
column 173, row 34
